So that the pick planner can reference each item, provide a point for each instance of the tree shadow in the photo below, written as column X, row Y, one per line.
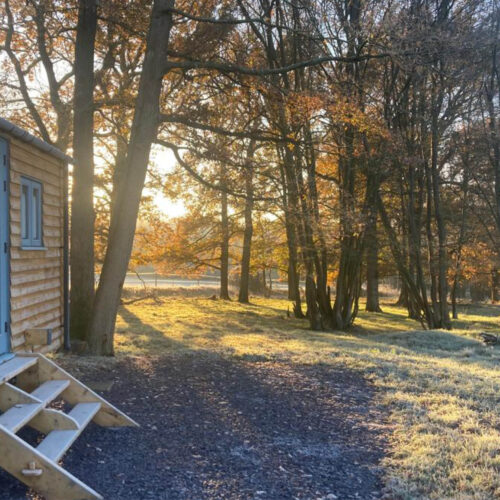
column 147, row 336
column 214, row 427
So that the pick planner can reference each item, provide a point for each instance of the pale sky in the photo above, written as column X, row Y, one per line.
column 164, row 161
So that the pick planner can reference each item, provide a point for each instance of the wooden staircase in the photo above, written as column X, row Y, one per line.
column 29, row 383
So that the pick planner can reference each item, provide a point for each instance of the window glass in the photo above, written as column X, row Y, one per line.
column 24, row 212
column 31, row 213
column 35, row 210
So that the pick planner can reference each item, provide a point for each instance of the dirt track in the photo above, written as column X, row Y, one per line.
column 218, row 428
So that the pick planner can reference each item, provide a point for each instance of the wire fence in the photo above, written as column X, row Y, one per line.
column 157, row 280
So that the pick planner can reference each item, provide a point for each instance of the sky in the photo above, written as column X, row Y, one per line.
column 165, row 162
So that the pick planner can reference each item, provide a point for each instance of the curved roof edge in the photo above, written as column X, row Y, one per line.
column 23, row 135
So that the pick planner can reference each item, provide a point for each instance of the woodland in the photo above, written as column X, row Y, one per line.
column 339, row 142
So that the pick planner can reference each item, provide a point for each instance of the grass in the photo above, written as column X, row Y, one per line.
column 442, row 389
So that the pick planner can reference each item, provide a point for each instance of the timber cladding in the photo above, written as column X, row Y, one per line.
column 36, row 274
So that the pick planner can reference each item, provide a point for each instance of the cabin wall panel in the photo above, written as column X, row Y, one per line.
column 36, row 276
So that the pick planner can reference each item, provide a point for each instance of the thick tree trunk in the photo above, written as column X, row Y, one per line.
column 309, row 254
column 461, row 239
column 293, row 274
column 302, row 227
column 414, row 214
column 348, row 286
column 411, row 286
column 245, row 258
column 290, row 203
column 248, row 233
column 224, row 248
column 124, row 218
column 316, row 242
column 291, row 239
column 433, row 267
column 403, row 295
column 444, row 314
column 372, row 293
column 82, row 195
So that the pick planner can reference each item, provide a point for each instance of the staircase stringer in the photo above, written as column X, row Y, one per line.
column 38, row 472
column 76, row 392
column 10, row 395
column 49, row 419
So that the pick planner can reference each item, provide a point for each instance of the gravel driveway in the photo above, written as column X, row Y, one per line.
column 219, row 428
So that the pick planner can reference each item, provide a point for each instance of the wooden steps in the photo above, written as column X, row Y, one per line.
column 48, row 391
column 57, row 442
column 35, row 382
column 15, row 366
column 18, row 458
column 19, row 415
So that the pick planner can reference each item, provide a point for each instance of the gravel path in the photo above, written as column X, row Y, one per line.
column 218, row 428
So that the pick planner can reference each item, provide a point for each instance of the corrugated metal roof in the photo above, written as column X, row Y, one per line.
column 24, row 136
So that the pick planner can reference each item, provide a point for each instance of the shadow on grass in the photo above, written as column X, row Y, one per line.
column 433, row 342
column 137, row 332
column 490, row 310
column 256, row 330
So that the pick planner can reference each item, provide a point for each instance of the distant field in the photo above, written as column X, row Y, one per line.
column 153, row 280
column 441, row 389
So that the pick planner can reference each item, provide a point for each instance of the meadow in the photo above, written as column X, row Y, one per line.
column 441, row 389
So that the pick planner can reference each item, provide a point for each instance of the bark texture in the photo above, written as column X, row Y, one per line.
column 82, row 195
column 248, row 232
column 224, row 250
column 128, row 197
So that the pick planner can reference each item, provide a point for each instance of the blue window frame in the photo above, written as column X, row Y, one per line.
column 31, row 213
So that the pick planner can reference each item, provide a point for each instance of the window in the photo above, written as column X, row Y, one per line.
column 31, row 213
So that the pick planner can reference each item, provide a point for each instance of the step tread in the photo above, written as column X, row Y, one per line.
column 49, row 390
column 15, row 366
column 19, row 415
column 56, row 442
column 84, row 412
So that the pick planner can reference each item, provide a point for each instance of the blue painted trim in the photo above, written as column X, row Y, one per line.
column 6, row 347
column 5, row 357
column 31, row 213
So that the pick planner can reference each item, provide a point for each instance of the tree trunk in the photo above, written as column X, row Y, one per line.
column 82, row 196
column 403, row 295
column 124, row 218
column 316, row 241
column 412, row 287
column 372, row 295
column 298, row 214
column 454, row 310
column 494, row 285
column 461, row 238
column 371, row 245
column 247, row 236
column 444, row 314
column 293, row 274
column 224, row 249
column 291, row 240
column 348, row 285
column 492, row 94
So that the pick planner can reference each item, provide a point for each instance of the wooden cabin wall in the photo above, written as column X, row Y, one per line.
column 36, row 276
